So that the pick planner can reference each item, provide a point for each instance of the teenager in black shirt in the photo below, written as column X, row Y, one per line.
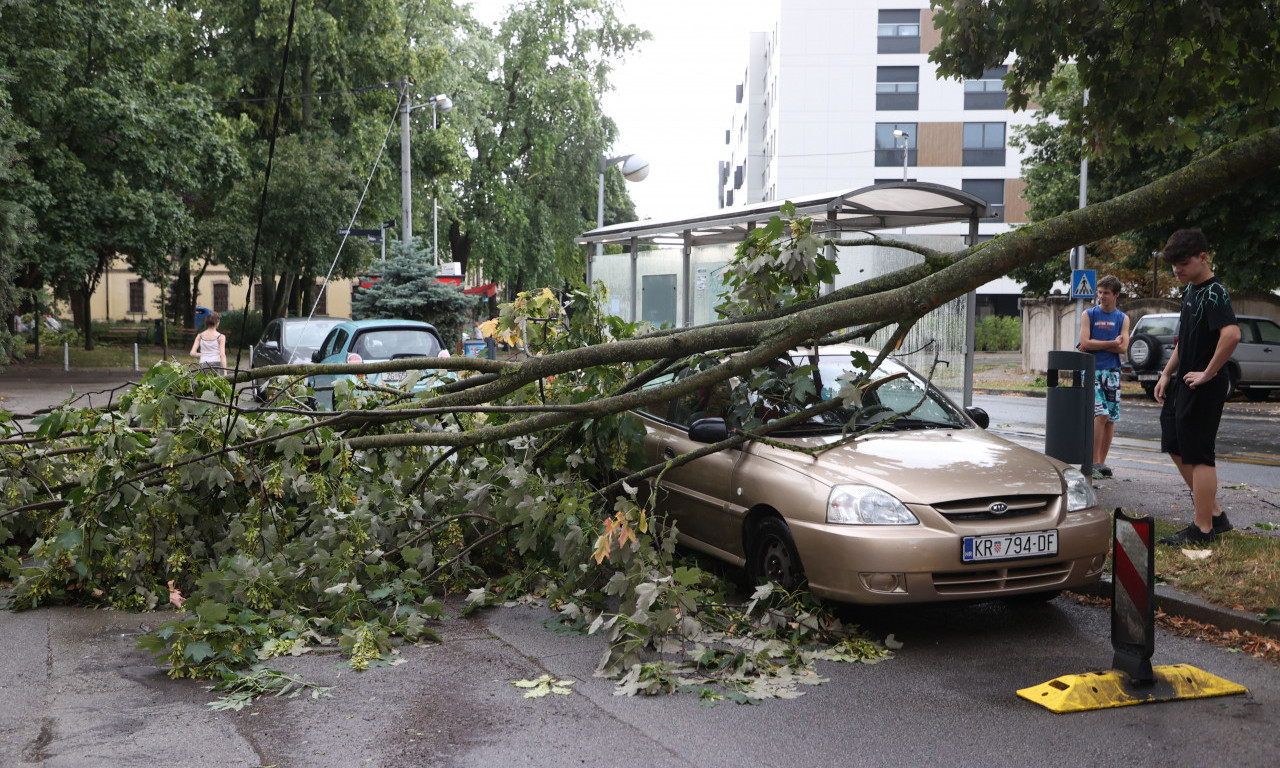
column 1193, row 385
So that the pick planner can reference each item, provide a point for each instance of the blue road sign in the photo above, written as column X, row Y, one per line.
column 1084, row 283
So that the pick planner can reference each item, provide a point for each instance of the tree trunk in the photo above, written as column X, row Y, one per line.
column 80, row 314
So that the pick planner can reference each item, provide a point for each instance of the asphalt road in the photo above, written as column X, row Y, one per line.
column 75, row 692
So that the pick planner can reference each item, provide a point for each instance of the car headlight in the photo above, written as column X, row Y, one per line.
column 864, row 505
column 1080, row 493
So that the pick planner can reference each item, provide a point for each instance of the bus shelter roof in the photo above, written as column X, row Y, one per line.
column 888, row 205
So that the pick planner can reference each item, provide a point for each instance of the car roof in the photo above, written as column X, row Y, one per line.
column 295, row 320
column 1176, row 314
column 385, row 322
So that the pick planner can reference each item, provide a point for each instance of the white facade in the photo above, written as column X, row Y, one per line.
column 819, row 96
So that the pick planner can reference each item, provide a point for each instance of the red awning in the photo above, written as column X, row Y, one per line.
column 488, row 290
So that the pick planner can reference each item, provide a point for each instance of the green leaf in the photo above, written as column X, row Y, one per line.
column 198, row 651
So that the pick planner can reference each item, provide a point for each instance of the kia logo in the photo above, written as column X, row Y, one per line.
column 999, row 508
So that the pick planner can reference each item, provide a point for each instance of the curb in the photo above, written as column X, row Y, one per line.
column 1183, row 605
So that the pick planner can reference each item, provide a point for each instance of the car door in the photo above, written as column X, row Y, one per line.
column 1267, row 350
column 1248, row 354
column 697, row 495
column 264, row 354
column 333, row 350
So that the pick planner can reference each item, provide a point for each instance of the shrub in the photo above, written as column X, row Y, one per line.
column 231, row 326
column 998, row 334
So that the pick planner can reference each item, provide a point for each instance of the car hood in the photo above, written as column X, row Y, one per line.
column 927, row 466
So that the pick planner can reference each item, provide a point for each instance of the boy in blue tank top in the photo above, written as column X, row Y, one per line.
column 1104, row 331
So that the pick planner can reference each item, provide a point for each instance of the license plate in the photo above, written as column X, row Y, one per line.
column 1007, row 546
column 1148, row 377
column 394, row 377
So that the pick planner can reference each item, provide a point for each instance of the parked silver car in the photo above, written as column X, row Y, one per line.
column 289, row 341
column 1254, row 369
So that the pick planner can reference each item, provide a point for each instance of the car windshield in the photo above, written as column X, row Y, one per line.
column 395, row 342
column 901, row 400
column 307, row 333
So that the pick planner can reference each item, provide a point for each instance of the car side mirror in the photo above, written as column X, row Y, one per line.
column 978, row 415
column 316, row 356
column 710, row 430
column 269, row 345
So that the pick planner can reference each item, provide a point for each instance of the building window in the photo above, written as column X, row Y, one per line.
column 889, row 147
column 221, row 297
column 897, row 88
column 991, row 190
column 257, row 296
column 137, row 297
column 899, row 32
column 322, row 299
column 983, row 144
column 988, row 91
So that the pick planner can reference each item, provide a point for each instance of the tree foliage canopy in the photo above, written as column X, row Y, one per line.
column 1154, row 71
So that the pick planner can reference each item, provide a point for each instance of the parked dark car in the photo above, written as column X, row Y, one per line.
column 1254, row 369
column 289, row 341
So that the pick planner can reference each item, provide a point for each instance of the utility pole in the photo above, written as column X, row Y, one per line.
column 406, row 194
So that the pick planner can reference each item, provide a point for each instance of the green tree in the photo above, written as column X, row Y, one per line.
column 533, row 182
column 1154, row 71
column 15, row 223
column 114, row 143
column 407, row 288
column 1243, row 224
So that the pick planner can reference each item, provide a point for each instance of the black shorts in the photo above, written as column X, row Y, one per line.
column 1189, row 420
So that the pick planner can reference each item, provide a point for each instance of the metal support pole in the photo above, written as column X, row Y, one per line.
column 970, row 324
column 135, row 357
column 635, row 293
column 604, row 164
column 687, row 277
column 1078, row 253
column 66, row 356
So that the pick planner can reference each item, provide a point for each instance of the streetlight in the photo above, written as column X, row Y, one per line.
column 444, row 104
column 634, row 168
column 898, row 133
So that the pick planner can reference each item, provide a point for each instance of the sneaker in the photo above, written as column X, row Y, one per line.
column 1221, row 524
column 1190, row 535
column 1102, row 469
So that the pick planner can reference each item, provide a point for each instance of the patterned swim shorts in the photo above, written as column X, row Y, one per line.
column 1106, row 394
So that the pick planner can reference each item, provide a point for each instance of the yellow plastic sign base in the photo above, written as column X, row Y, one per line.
column 1104, row 690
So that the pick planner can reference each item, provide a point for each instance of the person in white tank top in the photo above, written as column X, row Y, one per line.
column 210, row 345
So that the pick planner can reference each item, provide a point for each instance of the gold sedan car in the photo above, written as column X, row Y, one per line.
column 924, row 506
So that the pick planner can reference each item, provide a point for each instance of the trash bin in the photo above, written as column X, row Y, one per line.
column 157, row 337
column 1068, row 422
column 201, row 314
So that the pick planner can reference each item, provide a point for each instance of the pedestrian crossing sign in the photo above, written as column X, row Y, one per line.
column 1084, row 283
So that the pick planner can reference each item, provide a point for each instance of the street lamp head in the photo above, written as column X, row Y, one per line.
column 898, row 133
column 441, row 102
column 635, row 168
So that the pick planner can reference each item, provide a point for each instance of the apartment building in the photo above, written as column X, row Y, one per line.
column 836, row 92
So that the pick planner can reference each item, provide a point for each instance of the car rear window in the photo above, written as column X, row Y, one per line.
column 1157, row 326
column 395, row 342
column 308, row 334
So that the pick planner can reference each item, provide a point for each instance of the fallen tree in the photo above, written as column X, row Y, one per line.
column 287, row 529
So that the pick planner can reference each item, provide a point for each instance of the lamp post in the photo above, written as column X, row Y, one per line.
column 634, row 168
column 444, row 104
column 906, row 141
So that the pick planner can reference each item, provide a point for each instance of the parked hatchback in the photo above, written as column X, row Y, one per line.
column 371, row 341
column 289, row 341
column 1254, row 369
column 928, row 507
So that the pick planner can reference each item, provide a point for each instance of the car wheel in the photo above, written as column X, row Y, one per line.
column 773, row 556
column 1231, row 386
column 1257, row 395
column 1150, row 389
column 1144, row 352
